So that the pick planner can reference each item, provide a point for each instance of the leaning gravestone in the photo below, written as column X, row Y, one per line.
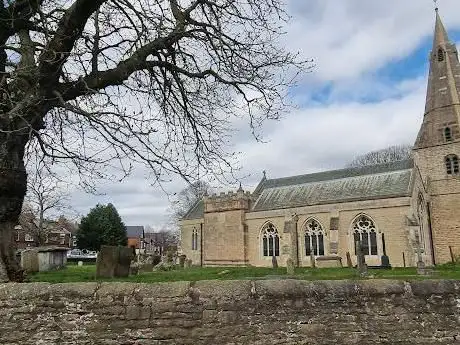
column 182, row 260
column 113, row 262
column 349, row 262
column 290, row 268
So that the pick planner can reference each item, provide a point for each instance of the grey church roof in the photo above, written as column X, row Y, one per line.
column 369, row 182
column 196, row 212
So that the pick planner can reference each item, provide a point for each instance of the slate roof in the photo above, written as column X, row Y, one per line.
column 369, row 182
column 134, row 231
column 196, row 212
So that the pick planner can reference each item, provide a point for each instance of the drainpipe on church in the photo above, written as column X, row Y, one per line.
column 201, row 244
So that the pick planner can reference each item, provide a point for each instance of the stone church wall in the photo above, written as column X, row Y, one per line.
column 265, row 312
column 187, row 228
column 389, row 216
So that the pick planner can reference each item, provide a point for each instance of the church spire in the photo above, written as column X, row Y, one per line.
column 442, row 108
column 440, row 33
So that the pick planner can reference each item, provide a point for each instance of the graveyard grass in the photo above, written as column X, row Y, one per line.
column 87, row 273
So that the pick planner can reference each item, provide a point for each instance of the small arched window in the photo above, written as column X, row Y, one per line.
column 448, row 134
column 440, row 55
column 314, row 238
column 270, row 240
column 452, row 165
column 364, row 231
column 421, row 220
column 195, row 239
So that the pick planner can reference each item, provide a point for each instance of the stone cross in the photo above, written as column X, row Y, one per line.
column 312, row 259
column 290, row 267
column 349, row 262
column 274, row 262
column 362, row 267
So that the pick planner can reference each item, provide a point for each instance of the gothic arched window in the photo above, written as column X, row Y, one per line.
column 195, row 239
column 421, row 220
column 314, row 238
column 270, row 240
column 440, row 55
column 448, row 134
column 364, row 230
column 452, row 165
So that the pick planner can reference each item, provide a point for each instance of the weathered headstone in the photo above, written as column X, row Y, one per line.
column 29, row 260
column 188, row 263
column 80, row 263
column 290, row 267
column 113, row 262
column 182, row 260
column 362, row 267
column 274, row 262
column 385, row 261
column 349, row 262
column 312, row 260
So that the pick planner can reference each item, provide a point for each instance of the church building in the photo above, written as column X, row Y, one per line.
column 408, row 210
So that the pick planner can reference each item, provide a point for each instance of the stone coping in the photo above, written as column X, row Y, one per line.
column 234, row 289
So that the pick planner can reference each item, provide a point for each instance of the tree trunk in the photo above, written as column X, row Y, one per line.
column 13, row 187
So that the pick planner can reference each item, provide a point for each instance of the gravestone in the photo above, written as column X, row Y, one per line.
column 182, row 260
column 290, row 267
column 274, row 262
column 80, row 263
column 349, row 262
column 188, row 263
column 113, row 262
column 385, row 261
column 362, row 267
column 312, row 260
column 29, row 260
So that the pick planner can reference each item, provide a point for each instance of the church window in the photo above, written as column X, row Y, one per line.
column 440, row 55
column 364, row 230
column 270, row 240
column 314, row 238
column 452, row 165
column 195, row 239
column 421, row 218
column 448, row 134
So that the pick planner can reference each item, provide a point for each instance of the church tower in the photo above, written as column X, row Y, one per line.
column 437, row 147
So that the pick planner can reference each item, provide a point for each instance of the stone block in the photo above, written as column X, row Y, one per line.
column 113, row 262
column 29, row 260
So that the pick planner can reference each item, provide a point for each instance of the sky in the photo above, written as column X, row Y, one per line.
column 366, row 92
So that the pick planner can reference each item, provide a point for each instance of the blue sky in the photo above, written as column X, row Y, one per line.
column 366, row 92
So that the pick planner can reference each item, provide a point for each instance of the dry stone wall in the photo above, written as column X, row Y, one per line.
column 232, row 312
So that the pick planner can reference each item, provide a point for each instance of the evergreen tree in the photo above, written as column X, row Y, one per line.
column 102, row 226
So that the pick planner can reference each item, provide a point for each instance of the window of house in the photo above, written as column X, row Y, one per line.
column 448, row 134
column 364, row 230
column 270, row 240
column 28, row 238
column 440, row 55
column 62, row 238
column 452, row 165
column 195, row 239
column 314, row 238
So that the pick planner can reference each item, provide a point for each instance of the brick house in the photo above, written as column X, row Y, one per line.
column 135, row 234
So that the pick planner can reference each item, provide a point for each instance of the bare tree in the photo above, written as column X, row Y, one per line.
column 46, row 193
column 96, row 82
column 188, row 197
column 387, row 155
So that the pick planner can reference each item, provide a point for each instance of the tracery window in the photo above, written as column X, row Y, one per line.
column 364, row 230
column 448, row 134
column 314, row 238
column 195, row 239
column 452, row 165
column 270, row 240
column 440, row 55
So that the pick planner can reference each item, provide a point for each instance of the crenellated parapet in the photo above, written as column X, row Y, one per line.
column 229, row 201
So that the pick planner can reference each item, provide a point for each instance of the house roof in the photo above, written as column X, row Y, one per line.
column 134, row 231
column 369, row 182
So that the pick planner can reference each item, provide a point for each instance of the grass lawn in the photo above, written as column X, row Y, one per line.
column 86, row 273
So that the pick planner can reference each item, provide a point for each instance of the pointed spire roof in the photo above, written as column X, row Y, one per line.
column 442, row 99
column 440, row 33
